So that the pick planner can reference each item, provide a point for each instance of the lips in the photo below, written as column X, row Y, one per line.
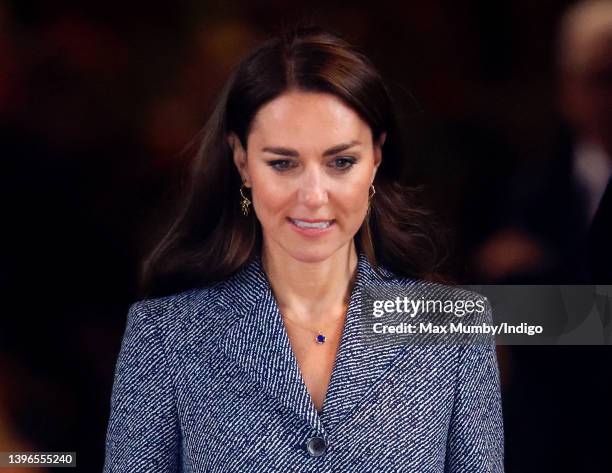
column 308, row 223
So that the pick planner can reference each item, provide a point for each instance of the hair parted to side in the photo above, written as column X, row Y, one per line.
column 210, row 238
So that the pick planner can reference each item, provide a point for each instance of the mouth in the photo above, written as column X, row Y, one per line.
column 311, row 225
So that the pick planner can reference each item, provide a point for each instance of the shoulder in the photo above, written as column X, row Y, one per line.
column 173, row 312
column 203, row 311
column 386, row 278
column 386, row 285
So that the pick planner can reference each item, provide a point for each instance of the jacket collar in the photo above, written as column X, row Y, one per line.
column 255, row 338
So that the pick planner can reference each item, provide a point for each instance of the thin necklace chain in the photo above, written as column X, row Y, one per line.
column 320, row 327
column 320, row 338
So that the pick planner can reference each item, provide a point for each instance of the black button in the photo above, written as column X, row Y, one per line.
column 316, row 446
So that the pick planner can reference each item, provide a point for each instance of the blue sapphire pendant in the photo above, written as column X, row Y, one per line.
column 320, row 338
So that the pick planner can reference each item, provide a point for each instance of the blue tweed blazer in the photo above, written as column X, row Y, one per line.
column 206, row 381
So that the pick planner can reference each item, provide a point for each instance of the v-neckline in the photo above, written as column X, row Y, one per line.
column 304, row 364
column 356, row 283
column 257, row 341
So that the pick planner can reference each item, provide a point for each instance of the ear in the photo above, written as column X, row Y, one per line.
column 378, row 152
column 240, row 157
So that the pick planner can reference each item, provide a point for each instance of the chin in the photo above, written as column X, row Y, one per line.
column 314, row 253
column 303, row 250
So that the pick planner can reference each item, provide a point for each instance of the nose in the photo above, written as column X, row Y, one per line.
column 312, row 191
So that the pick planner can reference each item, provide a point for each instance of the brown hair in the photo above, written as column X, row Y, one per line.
column 210, row 239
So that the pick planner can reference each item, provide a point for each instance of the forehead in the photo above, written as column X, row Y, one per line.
column 308, row 118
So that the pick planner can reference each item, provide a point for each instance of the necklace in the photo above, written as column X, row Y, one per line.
column 319, row 333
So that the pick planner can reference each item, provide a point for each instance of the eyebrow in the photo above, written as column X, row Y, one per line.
column 293, row 153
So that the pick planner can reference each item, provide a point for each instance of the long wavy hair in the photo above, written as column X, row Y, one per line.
column 209, row 239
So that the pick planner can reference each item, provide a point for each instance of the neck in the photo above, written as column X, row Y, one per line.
column 311, row 292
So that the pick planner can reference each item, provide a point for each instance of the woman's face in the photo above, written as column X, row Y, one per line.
column 310, row 162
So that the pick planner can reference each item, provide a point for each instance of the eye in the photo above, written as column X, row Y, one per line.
column 281, row 164
column 343, row 163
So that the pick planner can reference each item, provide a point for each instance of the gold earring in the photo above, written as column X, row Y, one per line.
column 373, row 192
column 244, row 202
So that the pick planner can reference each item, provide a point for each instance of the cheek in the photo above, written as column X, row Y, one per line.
column 268, row 201
column 353, row 200
column 270, row 198
column 359, row 187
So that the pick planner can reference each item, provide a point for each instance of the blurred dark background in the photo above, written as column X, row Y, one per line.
column 100, row 103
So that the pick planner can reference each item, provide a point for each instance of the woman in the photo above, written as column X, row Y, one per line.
column 256, row 360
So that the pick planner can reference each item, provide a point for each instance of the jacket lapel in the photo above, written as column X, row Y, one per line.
column 361, row 365
column 257, row 341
